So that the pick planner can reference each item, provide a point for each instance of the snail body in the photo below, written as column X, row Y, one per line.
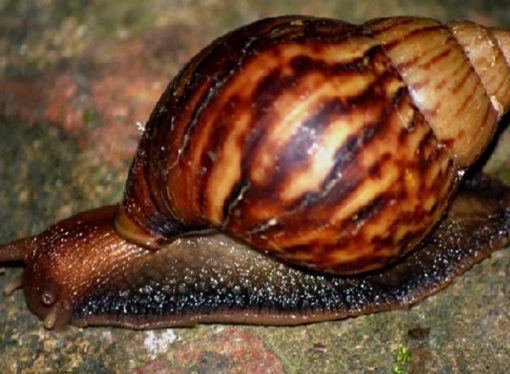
column 331, row 147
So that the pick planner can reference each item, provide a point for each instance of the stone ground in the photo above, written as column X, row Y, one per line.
column 77, row 77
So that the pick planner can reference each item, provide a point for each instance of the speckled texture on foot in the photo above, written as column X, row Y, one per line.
column 73, row 74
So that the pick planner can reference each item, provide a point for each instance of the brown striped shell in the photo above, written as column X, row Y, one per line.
column 332, row 146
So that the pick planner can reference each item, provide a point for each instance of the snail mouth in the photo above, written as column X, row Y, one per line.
column 55, row 317
column 45, row 305
column 44, row 298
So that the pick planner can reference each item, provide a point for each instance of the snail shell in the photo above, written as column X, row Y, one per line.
column 330, row 146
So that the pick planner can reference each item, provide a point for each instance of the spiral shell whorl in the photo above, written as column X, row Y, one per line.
column 329, row 145
column 488, row 60
column 456, row 74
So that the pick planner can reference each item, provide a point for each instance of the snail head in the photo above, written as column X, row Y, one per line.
column 63, row 263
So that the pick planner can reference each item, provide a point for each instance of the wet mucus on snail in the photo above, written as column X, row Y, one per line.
column 297, row 169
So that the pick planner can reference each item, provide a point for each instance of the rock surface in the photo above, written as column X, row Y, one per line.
column 74, row 82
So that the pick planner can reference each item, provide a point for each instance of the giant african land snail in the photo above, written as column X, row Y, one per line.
column 333, row 147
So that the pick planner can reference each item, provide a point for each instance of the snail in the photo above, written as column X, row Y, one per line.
column 297, row 169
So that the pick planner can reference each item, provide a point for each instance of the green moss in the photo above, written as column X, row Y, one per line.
column 402, row 358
